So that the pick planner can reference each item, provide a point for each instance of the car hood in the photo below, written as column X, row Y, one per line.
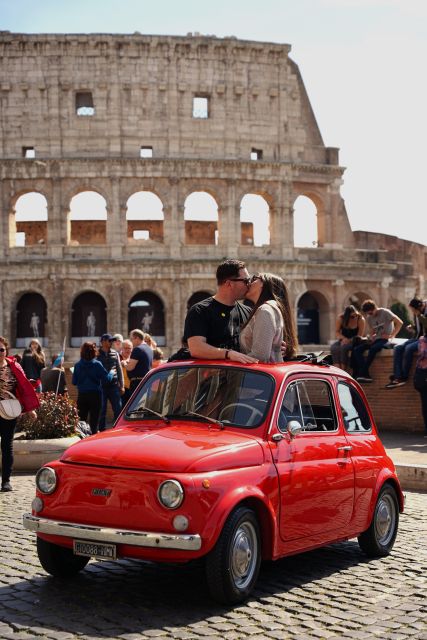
column 183, row 448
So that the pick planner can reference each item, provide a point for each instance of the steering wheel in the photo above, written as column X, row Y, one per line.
column 253, row 411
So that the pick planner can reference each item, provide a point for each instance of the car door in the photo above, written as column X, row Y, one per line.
column 315, row 468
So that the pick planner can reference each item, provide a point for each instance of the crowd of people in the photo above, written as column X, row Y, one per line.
column 261, row 329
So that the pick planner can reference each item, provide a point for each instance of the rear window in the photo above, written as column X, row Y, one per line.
column 353, row 409
column 234, row 396
column 310, row 402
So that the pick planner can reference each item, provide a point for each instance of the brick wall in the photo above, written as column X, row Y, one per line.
column 394, row 409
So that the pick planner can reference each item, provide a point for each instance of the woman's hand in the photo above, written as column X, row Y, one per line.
column 236, row 356
column 32, row 414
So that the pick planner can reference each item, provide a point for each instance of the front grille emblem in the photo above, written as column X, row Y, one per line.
column 101, row 492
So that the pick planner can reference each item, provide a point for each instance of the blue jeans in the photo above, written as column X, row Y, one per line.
column 111, row 393
column 402, row 358
column 362, row 364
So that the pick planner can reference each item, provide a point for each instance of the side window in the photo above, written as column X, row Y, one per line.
column 310, row 403
column 317, row 406
column 354, row 412
column 290, row 409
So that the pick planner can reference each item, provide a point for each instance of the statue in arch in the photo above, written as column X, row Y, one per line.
column 34, row 324
column 91, row 325
column 146, row 321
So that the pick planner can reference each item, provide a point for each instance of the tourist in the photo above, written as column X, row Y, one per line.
column 53, row 378
column 383, row 326
column 403, row 353
column 140, row 360
column 420, row 376
column 271, row 320
column 33, row 361
column 12, row 381
column 349, row 328
column 88, row 376
column 113, row 388
column 124, row 356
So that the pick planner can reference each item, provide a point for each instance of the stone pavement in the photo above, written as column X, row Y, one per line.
column 409, row 453
column 335, row 592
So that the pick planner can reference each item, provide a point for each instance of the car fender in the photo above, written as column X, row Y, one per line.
column 253, row 497
column 385, row 476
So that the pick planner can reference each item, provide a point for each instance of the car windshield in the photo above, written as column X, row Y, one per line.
column 229, row 395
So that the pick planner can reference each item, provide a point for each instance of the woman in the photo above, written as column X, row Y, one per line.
column 420, row 375
column 33, row 361
column 349, row 329
column 12, row 380
column 89, row 375
column 271, row 320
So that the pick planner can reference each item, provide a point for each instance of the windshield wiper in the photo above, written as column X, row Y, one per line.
column 150, row 411
column 200, row 415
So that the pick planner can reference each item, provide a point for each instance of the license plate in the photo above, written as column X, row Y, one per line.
column 98, row 550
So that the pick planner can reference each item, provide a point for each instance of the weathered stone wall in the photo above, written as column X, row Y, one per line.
column 142, row 89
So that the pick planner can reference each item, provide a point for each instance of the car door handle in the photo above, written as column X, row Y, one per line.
column 347, row 447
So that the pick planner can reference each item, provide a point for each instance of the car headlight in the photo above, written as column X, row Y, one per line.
column 170, row 494
column 46, row 480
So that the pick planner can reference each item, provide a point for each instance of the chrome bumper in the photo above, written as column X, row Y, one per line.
column 115, row 536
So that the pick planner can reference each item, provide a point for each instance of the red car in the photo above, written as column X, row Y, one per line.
column 231, row 463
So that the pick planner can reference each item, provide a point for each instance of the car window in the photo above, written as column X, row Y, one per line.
column 235, row 396
column 309, row 402
column 354, row 412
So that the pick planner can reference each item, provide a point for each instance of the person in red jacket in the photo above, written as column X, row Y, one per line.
column 12, row 380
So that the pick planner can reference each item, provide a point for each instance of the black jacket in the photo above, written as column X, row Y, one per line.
column 109, row 361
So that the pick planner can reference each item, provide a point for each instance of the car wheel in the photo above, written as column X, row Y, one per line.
column 378, row 540
column 59, row 561
column 232, row 566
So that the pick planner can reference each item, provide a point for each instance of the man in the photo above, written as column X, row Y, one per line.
column 114, row 388
column 212, row 326
column 403, row 353
column 383, row 325
column 117, row 343
column 140, row 361
column 127, row 347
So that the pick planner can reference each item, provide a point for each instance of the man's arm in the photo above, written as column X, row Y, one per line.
column 199, row 348
column 130, row 364
column 397, row 326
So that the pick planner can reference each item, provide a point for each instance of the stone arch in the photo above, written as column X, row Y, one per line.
column 146, row 311
column 28, row 224
column 88, row 318
column 87, row 218
column 196, row 297
column 201, row 218
column 313, row 318
column 306, row 227
column 357, row 298
column 254, row 220
column 31, row 319
column 145, row 217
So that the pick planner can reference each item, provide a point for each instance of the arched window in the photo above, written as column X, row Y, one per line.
column 313, row 318
column 144, row 217
column 88, row 319
column 201, row 219
column 305, row 223
column 88, row 219
column 198, row 296
column 146, row 312
column 254, row 220
column 31, row 320
column 30, row 220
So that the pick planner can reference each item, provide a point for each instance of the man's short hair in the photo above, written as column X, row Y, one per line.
column 416, row 303
column 368, row 305
column 137, row 333
column 229, row 269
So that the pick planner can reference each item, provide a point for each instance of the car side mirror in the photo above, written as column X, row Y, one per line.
column 294, row 428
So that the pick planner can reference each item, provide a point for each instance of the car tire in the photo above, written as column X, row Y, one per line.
column 232, row 566
column 378, row 540
column 59, row 561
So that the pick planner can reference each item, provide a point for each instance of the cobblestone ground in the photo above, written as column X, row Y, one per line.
column 334, row 592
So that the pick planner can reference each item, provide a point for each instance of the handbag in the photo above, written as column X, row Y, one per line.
column 10, row 408
column 420, row 379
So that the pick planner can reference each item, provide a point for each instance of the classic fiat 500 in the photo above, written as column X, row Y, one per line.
column 227, row 462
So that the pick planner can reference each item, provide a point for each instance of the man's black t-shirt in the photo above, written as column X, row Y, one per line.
column 219, row 323
column 144, row 354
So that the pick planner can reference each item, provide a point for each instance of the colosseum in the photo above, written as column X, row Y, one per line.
column 132, row 164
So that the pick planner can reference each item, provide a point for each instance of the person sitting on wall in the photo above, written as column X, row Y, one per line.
column 350, row 327
column 403, row 353
column 383, row 325
column 53, row 378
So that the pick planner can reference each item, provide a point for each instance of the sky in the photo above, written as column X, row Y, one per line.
column 362, row 62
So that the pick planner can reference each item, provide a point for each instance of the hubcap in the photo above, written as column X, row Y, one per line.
column 385, row 520
column 244, row 553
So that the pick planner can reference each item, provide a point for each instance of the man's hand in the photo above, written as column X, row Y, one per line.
column 283, row 348
column 122, row 390
column 236, row 356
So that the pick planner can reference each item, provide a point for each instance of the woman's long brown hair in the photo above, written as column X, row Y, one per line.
column 274, row 288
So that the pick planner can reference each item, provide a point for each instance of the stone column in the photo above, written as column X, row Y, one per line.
column 230, row 231
column 57, row 225
column 174, row 229
column 116, row 221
